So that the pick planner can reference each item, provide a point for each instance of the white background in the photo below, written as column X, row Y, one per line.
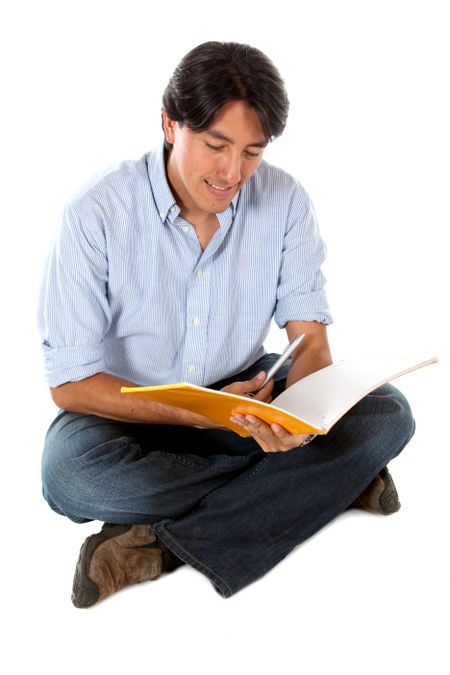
column 368, row 137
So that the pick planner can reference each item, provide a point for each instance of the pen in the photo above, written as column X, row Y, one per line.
column 279, row 362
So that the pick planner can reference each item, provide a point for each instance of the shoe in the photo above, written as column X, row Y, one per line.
column 380, row 496
column 117, row 556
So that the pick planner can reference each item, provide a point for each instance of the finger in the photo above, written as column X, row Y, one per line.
column 280, row 431
column 263, row 433
column 244, row 420
column 245, row 387
column 264, row 393
column 255, row 382
column 238, row 419
column 277, row 429
column 256, row 427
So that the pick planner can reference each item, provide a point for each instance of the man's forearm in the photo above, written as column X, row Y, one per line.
column 100, row 395
column 314, row 356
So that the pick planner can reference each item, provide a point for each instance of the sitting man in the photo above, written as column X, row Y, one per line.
column 171, row 268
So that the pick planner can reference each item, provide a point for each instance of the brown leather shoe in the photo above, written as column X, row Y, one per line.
column 380, row 496
column 117, row 556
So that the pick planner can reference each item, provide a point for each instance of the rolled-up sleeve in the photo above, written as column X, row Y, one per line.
column 301, row 294
column 74, row 313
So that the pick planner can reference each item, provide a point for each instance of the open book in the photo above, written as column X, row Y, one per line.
column 310, row 406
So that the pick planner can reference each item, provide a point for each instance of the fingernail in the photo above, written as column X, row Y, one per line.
column 260, row 375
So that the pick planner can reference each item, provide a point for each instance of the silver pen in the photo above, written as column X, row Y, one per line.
column 279, row 362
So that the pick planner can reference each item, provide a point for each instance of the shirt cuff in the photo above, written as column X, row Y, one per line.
column 311, row 307
column 72, row 363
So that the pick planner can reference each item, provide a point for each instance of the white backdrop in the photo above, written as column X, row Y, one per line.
column 368, row 137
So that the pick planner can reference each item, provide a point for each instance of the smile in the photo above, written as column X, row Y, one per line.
column 218, row 188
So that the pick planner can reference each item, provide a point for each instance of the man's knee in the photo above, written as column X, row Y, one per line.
column 402, row 417
column 380, row 422
column 395, row 418
column 77, row 451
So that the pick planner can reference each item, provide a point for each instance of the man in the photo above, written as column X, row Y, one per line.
column 171, row 268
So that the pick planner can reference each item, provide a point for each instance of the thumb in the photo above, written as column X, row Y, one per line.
column 257, row 381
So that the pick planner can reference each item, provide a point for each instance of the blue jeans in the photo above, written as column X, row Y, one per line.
column 214, row 499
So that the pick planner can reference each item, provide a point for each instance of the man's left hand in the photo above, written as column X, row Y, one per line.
column 271, row 437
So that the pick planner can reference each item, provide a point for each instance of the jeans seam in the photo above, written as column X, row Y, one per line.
column 259, row 465
column 193, row 463
column 183, row 460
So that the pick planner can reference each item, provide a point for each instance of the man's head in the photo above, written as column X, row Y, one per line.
column 222, row 106
column 216, row 73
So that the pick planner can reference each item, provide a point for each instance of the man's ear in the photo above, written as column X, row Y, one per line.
column 169, row 128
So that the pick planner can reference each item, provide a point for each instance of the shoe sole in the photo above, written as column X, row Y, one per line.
column 380, row 496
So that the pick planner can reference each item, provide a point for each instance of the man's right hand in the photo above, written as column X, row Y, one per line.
column 244, row 388
column 249, row 388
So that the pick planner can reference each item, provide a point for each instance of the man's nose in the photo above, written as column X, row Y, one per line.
column 230, row 169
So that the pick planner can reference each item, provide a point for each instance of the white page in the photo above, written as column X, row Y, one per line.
column 324, row 396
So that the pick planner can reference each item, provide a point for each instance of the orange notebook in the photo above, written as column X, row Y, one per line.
column 311, row 406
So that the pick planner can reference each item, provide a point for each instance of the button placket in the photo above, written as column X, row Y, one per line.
column 197, row 308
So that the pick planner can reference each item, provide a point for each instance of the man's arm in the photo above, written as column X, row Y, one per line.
column 312, row 354
column 100, row 395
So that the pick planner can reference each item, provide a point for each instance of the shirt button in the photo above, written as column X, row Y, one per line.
column 196, row 321
column 191, row 369
column 199, row 272
column 173, row 208
column 185, row 228
column 163, row 215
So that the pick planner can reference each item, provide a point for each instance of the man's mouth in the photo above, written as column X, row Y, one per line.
column 220, row 189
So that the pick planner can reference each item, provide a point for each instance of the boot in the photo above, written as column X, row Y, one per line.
column 117, row 556
column 380, row 496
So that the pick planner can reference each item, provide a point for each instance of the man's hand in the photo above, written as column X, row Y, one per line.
column 271, row 437
column 244, row 388
column 249, row 387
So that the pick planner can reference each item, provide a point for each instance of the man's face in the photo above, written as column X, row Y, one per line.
column 207, row 169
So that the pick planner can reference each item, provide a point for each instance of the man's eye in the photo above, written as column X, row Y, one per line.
column 251, row 155
column 214, row 147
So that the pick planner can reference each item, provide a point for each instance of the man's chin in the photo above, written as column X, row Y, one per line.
column 222, row 208
column 219, row 206
column 220, row 201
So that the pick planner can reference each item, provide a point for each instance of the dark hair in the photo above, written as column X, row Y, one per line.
column 215, row 73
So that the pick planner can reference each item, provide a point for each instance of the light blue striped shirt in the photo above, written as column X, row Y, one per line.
column 128, row 290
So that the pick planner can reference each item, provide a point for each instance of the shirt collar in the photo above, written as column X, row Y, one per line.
column 165, row 202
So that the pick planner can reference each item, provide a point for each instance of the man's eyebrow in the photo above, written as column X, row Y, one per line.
column 221, row 137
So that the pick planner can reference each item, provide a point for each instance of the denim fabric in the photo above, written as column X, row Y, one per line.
column 216, row 500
